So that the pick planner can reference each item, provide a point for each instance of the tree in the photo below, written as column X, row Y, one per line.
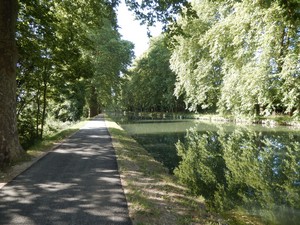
column 56, row 57
column 9, row 143
column 233, row 53
column 110, row 57
column 198, row 74
column 36, row 38
column 150, row 84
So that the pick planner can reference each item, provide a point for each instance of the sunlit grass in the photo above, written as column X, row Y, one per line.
column 37, row 150
column 50, row 140
column 277, row 119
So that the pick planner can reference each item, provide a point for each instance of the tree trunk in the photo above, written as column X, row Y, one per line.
column 93, row 102
column 10, row 148
column 44, row 106
column 256, row 109
column 38, row 102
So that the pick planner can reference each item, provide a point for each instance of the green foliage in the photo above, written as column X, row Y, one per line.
column 241, row 56
column 64, row 50
column 151, row 11
column 149, row 85
column 69, row 105
column 35, row 40
column 26, row 127
column 110, row 57
column 200, row 166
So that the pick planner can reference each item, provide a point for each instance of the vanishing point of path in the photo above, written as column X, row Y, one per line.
column 77, row 183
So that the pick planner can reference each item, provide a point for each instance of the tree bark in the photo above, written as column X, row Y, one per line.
column 93, row 102
column 38, row 112
column 45, row 88
column 10, row 148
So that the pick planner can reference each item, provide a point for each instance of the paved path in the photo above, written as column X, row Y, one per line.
column 77, row 183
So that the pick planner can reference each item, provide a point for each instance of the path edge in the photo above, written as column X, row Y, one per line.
column 18, row 169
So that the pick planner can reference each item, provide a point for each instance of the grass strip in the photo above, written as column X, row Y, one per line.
column 50, row 141
column 36, row 151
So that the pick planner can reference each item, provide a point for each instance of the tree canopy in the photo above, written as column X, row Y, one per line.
column 70, row 62
column 241, row 56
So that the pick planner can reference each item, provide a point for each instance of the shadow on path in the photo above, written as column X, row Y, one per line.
column 77, row 183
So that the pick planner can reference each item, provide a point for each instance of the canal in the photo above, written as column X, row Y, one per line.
column 250, row 169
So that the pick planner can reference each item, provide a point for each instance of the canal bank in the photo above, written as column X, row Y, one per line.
column 268, row 121
column 246, row 170
column 154, row 195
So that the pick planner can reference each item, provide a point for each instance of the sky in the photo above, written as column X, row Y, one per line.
column 131, row 30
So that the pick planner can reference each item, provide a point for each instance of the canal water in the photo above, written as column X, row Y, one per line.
column 253, row 169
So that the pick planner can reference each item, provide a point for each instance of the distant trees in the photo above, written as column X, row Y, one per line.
column 110, row 57
column 240, row 56
column 149, row 85
column 233, row 57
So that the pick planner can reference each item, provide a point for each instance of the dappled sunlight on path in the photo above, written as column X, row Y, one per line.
column 77, row 183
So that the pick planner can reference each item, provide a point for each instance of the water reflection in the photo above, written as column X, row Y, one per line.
column 159, row 137
column 162, row 147
column 257, row 171
column 250, row 168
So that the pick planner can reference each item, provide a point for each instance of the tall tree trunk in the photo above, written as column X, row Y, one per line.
column 44, row 106
column 10, row 148
column 93, row 102
column 37, row 119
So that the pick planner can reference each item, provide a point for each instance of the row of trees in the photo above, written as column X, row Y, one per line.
column 233, row 57
column 69, row 63
column 240, row 57
column 70, row 56
column 68, row 60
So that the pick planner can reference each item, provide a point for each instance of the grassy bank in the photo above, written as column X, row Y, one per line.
column 50, row 140
column 154, row 196
column 270, row 121
column 36, row 151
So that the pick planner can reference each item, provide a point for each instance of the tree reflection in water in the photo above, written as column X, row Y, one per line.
column 256, row 171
